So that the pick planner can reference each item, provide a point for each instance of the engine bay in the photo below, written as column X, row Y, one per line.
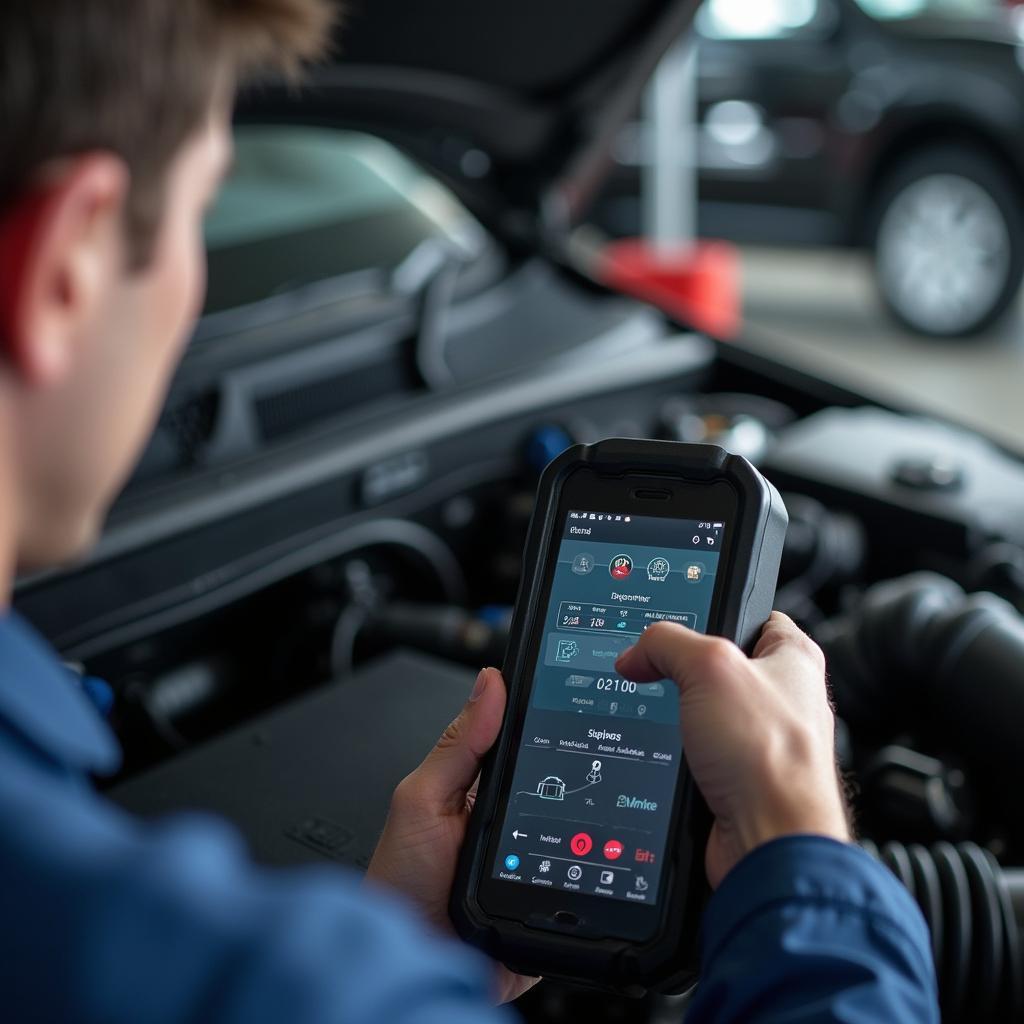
column 301, row 614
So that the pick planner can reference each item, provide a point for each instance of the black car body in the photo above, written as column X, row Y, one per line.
column 809, row 126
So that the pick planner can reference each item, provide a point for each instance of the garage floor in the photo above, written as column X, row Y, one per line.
column 817, row 309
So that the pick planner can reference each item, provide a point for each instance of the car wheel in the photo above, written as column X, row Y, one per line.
column 947, row 241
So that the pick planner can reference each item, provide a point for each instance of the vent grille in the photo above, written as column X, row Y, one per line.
column 190, row 425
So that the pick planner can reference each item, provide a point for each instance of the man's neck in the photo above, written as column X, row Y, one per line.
column 7, row 568
column 8, row 516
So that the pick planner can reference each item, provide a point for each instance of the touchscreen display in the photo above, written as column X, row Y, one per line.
column 595, row 773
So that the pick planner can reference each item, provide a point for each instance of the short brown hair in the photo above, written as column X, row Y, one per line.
column 135, row 77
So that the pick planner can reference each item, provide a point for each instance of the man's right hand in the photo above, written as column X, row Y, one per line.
column 758, row 733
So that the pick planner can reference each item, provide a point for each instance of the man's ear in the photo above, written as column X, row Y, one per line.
column 61, row 249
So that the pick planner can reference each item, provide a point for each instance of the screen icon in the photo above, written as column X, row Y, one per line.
column 607, row 877
column 511, row 862
column 621, row 566
column 544, row 867
column 592, row 516
column 613, row 849
column 578, row 681
column 627, row 519
column 581, row 844
column 575, row 873
column 583, row 564
column 551, row 787
column 640, row 884
column 694, row 573
column 658, row 569
column 566, row 650
column 618, row 519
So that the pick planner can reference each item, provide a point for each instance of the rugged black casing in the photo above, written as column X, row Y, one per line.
column 667, row 962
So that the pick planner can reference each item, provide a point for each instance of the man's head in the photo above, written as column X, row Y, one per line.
column 114, row 134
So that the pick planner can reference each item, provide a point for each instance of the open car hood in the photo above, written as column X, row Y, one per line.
column 515, row 105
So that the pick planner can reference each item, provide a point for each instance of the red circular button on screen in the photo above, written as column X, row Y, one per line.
column 613, row 849
column 581, row 844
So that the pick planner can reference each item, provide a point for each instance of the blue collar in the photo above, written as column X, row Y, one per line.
column 40, row 700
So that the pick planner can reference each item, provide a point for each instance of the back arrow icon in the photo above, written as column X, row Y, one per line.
column 519, row 835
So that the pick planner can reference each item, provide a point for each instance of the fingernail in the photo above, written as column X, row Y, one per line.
column 480, row 686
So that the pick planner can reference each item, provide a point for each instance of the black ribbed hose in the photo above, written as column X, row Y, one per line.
column 969, row 903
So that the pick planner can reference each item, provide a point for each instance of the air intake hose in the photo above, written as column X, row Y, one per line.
column 919, row 652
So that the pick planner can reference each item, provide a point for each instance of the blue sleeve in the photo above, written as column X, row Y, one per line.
column 109, row 921
column 808, row 929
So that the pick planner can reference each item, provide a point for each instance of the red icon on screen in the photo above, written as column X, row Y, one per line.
column 643, row 857
column 613, row 849
column 621, row 566
column 581, row 844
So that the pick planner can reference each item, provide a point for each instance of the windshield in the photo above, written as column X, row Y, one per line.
column 893, row 10
column 306, row 204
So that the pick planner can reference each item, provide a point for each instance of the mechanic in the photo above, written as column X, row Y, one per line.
column 114, row 132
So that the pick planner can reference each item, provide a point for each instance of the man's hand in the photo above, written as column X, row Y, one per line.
column 758, row 733
column 430, row 810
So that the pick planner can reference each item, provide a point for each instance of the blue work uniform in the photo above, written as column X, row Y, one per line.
column 108, row 920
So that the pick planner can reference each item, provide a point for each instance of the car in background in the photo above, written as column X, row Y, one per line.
column 896, row 125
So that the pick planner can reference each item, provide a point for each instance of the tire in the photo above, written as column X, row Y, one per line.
column 947, row 240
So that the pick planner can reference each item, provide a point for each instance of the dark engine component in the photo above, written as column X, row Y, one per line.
column 823, row 550
column 999, row 568
column 949, row 490
column 919, row 661
column 920, row 653
column 968, row 901
column 905, row 794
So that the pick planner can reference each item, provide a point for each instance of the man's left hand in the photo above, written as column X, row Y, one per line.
column 429, row 813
